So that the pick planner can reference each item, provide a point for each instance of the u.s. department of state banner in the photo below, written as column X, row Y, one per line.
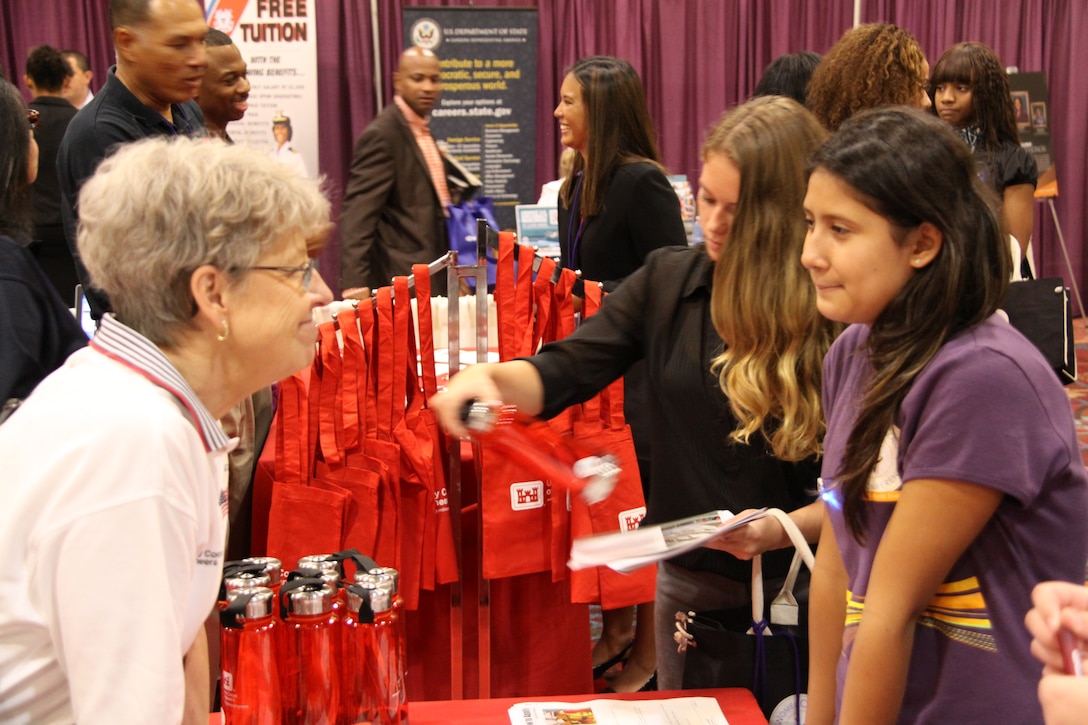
column 278, row 40
column 487, row 114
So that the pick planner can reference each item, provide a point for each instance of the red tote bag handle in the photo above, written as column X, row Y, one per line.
column 422, row 279
column 384, row 374
column 504, row 298
column 353, row 378
column 327, row 390
column 292, row 464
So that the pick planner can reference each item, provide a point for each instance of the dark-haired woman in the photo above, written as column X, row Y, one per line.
column 788, row 75
column 971, row 92
column 944, row 502
column 37, row 333
column 615, row 207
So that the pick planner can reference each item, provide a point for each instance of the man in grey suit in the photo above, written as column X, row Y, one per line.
column 394, row 204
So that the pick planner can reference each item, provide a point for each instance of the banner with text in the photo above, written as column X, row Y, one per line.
column 278, row 39
column 487, row 113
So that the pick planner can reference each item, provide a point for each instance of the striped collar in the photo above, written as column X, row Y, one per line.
column 128, row 347
column 419, row 124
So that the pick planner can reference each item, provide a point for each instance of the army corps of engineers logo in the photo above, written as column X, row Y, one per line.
column 526, row 495
column 426, row 34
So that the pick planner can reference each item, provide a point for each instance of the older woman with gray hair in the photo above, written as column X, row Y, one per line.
column 114, row 485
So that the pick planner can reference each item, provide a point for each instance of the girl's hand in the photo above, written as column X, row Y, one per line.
column 754, row 538
column 1057, row 605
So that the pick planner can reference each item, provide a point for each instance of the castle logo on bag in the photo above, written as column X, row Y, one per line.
column 527, row 495
column 631, row 518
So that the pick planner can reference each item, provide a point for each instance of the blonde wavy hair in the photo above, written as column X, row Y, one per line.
column 763, row 303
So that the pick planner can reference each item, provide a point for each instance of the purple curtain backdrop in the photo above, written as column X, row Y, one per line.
column 697, row 59
column 1033, row 35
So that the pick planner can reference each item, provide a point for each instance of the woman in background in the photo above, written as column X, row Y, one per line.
column 206, row 251
column 944, row 503
column 736, row 424
column 788, row 75
column 615, row 207
column 37, row 332
column 971, row 91
column 870, row 66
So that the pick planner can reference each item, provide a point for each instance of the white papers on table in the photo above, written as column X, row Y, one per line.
column 673, row 711
column 628, row 550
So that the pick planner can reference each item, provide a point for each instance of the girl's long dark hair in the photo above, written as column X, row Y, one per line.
column 15, row 212
column 911, row 168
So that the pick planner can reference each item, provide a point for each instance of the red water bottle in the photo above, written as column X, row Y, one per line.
column 388, row 579
column 311, row 686
column 238, row 574
column 249, row 655
column 387, row 658
column 325, row 562
column 271, row 566
column 534, row 444
column 245, row 580
column 330, row 577
column 363, row 689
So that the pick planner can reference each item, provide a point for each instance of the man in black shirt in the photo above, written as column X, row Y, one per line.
column 47, row 76
column 160, row 64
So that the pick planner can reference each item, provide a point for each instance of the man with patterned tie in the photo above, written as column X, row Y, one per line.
column 394, row 204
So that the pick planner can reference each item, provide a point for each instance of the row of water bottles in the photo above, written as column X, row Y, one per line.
column 312, row 646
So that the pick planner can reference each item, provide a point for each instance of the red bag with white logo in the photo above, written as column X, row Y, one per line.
column 602, row 427
column 518, row 508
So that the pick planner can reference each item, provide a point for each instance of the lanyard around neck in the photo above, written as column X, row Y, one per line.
column 573, row 240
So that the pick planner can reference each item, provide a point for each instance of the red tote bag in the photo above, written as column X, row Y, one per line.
column 365, row 448
column 602, row 428
column 516, row 504
column 526, row 522
column 440, row 524
column 302, row 519
column 393, row 327
column 360, row 528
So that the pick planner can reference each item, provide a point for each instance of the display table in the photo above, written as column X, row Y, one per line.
column 738, row 705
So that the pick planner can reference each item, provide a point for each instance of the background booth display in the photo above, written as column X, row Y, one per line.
column 695, row 57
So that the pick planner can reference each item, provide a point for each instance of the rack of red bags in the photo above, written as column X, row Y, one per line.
column 359, row 462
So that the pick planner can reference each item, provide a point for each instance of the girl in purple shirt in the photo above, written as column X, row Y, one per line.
column 952, row 478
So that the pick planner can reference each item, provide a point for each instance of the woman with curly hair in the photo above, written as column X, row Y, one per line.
column 733, row 348
column 971, row 91
column 872, row 65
